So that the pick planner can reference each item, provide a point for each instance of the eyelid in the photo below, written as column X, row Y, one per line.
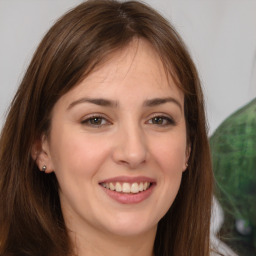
column 87, row 118
column 170, row 119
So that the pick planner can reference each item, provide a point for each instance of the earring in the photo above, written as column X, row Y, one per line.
column 44, row 168
column 186, row 165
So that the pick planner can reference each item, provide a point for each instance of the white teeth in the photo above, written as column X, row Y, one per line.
column 135, row 188
column 126, row 187
column 141, row 186
column 111, row 186
column 118, row 187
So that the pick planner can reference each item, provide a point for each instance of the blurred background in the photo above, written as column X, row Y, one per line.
column 221, row 37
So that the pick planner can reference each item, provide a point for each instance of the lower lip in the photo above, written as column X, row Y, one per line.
column 125, row 198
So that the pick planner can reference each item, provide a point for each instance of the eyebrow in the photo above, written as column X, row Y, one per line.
column 110, row 103
column 160, row 101
column 99, row 102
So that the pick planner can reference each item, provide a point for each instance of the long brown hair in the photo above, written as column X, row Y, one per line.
column 31, row 221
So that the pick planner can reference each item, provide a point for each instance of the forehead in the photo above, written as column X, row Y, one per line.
column 136, row 69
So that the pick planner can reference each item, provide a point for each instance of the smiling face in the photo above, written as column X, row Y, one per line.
column 118, row 146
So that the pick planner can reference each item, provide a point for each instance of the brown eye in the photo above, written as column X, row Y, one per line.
column 95, row 121
column 157, row 120
column 161, row 120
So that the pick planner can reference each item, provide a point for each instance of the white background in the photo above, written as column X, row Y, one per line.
column 220, row 34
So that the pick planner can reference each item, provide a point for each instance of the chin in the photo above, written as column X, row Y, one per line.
column 127, row 226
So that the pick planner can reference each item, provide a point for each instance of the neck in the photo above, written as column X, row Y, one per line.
column 91, row 244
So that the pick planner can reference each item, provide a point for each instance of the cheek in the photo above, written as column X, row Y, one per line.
column 77, row 154
column 78, row 159
column 170, row 153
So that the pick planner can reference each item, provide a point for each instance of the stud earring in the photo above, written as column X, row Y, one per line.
column 186, row 165
column 44, row 168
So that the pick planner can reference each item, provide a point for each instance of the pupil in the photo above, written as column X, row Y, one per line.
column 158, row 120
column 96, row 120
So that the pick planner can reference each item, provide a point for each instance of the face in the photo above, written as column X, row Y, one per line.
column 118, row 145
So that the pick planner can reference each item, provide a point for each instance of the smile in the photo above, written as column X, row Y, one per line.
column 125, row 187
column 128, row 190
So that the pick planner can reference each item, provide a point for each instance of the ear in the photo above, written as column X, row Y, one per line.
column 41, row 154
column 187, row 155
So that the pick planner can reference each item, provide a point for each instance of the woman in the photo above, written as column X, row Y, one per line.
column 104, row 150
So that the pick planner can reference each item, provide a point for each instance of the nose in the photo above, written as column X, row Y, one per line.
column 130, row 147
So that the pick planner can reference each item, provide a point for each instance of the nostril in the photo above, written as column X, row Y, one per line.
column 130, row 148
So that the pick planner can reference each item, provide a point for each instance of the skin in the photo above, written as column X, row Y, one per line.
column 124, row 140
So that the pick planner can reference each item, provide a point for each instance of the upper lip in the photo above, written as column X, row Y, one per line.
column 128, row 179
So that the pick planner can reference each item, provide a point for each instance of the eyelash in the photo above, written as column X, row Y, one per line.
column 168, row 121
column 93, row 117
